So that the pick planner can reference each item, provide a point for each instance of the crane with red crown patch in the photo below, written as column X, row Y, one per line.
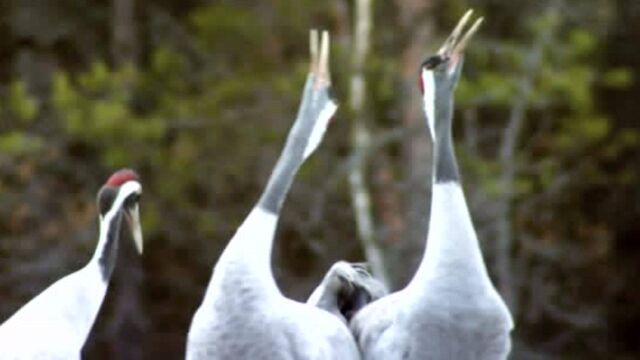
column 55, row 324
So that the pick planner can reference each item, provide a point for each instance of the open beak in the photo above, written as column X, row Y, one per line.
column 320, row 57
column 455, row 44
column 132, row 214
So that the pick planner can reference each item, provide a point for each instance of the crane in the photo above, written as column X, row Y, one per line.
column 243, row 314
column 450, row 309
column 345, row 289
column 55, row 324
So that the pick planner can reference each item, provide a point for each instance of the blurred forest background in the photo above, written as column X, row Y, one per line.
column 197, row 96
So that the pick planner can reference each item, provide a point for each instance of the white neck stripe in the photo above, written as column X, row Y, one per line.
column 320, row 128
column 429, row 100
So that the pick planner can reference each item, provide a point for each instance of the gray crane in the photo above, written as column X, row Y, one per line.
column 345, row 289
column 450, row 309
column 243, row 314
column 55, row 324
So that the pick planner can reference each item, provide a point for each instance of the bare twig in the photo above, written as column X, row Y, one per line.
column 507, row 152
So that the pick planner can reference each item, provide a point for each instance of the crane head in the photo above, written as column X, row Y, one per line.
column 317, row 104
column 345, row 289
column 121, row 193
column 439, row 73
column 358, row 290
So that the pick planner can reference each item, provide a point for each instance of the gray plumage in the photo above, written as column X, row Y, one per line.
column 293, row 154
column 243, row 314
column 450, row 309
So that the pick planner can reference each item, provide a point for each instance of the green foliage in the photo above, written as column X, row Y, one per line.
column 490, row 88
column 21, row 105
column 618, row 78
column 18, row 111
column 96, row 110
column 168, row 69
column 17, row 143
column 217, row 21
column 230, row 30
column 582, row 43
column 562, row 83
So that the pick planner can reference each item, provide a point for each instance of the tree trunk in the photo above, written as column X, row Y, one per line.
column 123, row 42
column 360, row 140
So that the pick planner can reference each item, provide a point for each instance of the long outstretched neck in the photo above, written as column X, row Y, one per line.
column 249, row 252
column 445, row 165
column 452, row 256
column 106, row 253
column 290, row 160
column 280, row 181
column 316, row 108
column 247, row 258
column 250, row 249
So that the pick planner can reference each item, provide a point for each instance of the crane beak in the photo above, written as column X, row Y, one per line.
column 319, row 51
column 132, row 214
column 462, row 44
column 456, row 43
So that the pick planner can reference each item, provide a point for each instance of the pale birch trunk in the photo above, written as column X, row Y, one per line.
column 360, row 140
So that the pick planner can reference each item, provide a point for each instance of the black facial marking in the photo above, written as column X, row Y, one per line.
column 332, row 94
column 351, row 298
column 107, row 260
column 132, row 200
column 106, row 196
column 351, row 305
column 433, row 61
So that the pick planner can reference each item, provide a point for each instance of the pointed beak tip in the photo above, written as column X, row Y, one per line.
column 323, row 58
column 313, row 50
column 137, row 238
column 136, row 228
column 462, row 44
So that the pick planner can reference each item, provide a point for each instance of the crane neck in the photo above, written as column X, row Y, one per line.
column 445, row 165
column 244, row 268
column 106, row 252
column 282, row 176
column 246, row 261
column 295, row 151
column 452, row 258
column 247, row 258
